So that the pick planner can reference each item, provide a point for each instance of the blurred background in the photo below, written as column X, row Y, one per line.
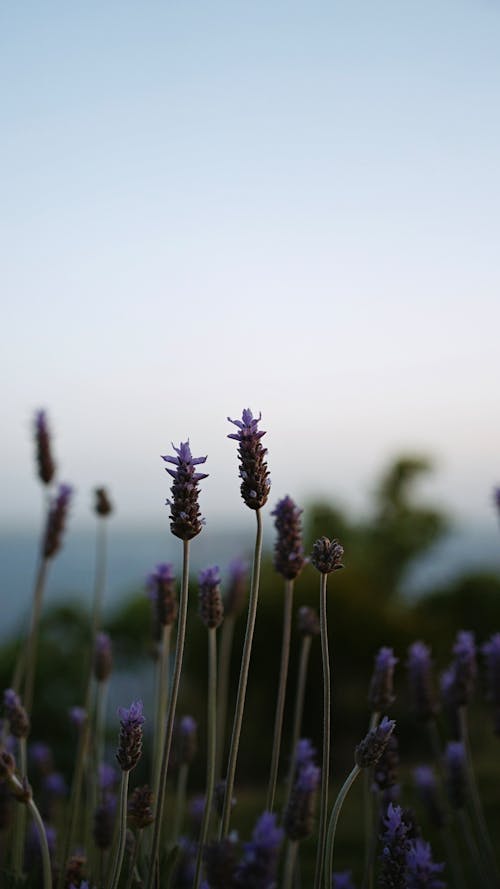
column 286, row 206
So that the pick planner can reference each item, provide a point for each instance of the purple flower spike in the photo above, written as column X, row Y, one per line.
column 259, row 865
column 455, row 766
column 371, row 748
column 421, row 870
column 298, row 819
column 491, row 653
column 234, row 598
column 255, row 484
column 211, row 608
column 395, row 847
column 381, row 693
column 342, row 880
column 102, row 504
column 78, row 716
column 130, row 743
column 104, row 822
column 420, row 679
column 161, row 589
column 41, row 757
column 327, row 555
column 45, row 462
column 308, row 621
column 16, row 714
column 56, row 521
column 185, row 517
column 186, row 732
column 427, row 789
column 103, row 657
column 288, row 549
column 465, row 667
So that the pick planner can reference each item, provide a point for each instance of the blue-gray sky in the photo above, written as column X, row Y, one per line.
column 292, row 206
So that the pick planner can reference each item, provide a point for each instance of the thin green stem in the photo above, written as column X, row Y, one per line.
column 453, row 857
column 290, row 860
column 74, row 801
column 44, row 846
column 162, row 684
column 226, row 645
column 122, row 832
column 280, row 701
column 325, row 771
column 242, row 685
column 134, row 859
column 172, row 704
column 20, row 817
column 369, row 814
column 32, row 641
column 101, row 560
column 332, row 827
column 211, row 746
column 477, row 808
column 471, row 844
column 305, row 650
column 180, row 802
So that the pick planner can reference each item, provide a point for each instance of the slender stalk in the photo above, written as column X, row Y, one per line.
column 289, row 868
column 369, row 814
column 162, row 684
column 280, row 702
column 299, row 709
column 332, row 827
column 32, row 641
column 453, row 857
column 471, row 844
column 172, row 704
column 101, row 562
column 211, row 747
column 226, row 645
column 477, row 808
column 20, row 817
column 180, row 802
column 242, row 685
column 74, row 801
column 134, row 859
column 122, row 832
column 325, row 771
column 44, row 846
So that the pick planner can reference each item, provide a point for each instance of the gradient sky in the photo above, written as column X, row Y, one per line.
column 291, row 206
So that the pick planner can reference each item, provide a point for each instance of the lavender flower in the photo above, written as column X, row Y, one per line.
column 185, row 517
column 327, row 555
column 16, row 714
column 255, row 484
column 104, row 822
column 108, row 778
column 54, row 785
column 464, row 667
column 78, row 717
column 491, row 652
column 130, row 742
column 46, row 466
column 419, row 666
column 219, row 795
column 421, row 871
column 186, row 740
column 496, row 497
column 161, row 589
column 308, row 621
column 298, row 819
column 381, row 693
column 102, row 506
column 234, row 597
column 196, row 810
column 385, row 775
column 211, row 608
column 56, row 521
column 342, row 880
column 371, row 748
column 395, row 847
column 103, row 657
column 220, row 863
column 426, row 785
column 140, row 807
column 259, row 864
column 33, row 852
column 288, row 549
column 455, row 772
column 41, row 757
column 186, row 864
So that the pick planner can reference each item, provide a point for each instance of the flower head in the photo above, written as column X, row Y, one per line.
column 491, row 653
column 258, row 866
column 386, row 772
column 288, row 549
column 220, row 859
column 130, row 742
column 395, row 846
column 211, row 607
column 234, row 597
column 140, row 807
column 422, row 872
column 45, row 462
column 186, row 730
column 427, row 789
column 103, row 657
column 298, row 819
column 381, row 693
column 255, row 484
column 104, row 822
column 371, row 748
column 327, row 555
column 419, row 665
column 41, row 757
column 308, row 621
column 342, row 880
column 455, row 772
column 161, row 589
column 56, row 521
column 185, row 517
column 16, row 714
column 77, row 716
column 102, row 505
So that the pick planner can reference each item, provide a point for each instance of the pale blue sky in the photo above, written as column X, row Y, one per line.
column 292, row 206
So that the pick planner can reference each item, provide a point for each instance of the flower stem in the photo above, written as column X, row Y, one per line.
column 483, row 833
column 226, row 645
column 211, row 747
column 74, row 801
column 332, row 827
column 289, row 869
column 32, row 641
column 369, row 814
column 122, row 832
column 20, row 817
column 299, row 709
column 44, row 846
column 180, row 802
column 325, row 771
column 101, row 559
column 242, row 685
column 162, row 689
column 280, row 702
column 134, row 859
column 172, row 704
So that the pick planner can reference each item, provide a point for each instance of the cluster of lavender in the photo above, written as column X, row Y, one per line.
column 102, row 834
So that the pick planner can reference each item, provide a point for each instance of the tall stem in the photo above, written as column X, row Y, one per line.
column 483, row 833
column 44, row 846
column 172, row 704
column 180, row 801
column 101, row 558
column 211, row 746
column 299, row 709
column 226, row 645
column 242, row 685
column 280, row 701
column 332, row 827
column 325, row 771
column 32, row 641
column 477, row 861
column 290, row 859
column 122, row 831
column 369, row 814
column 74, row 801
column 20, row 817
column 161, row 702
